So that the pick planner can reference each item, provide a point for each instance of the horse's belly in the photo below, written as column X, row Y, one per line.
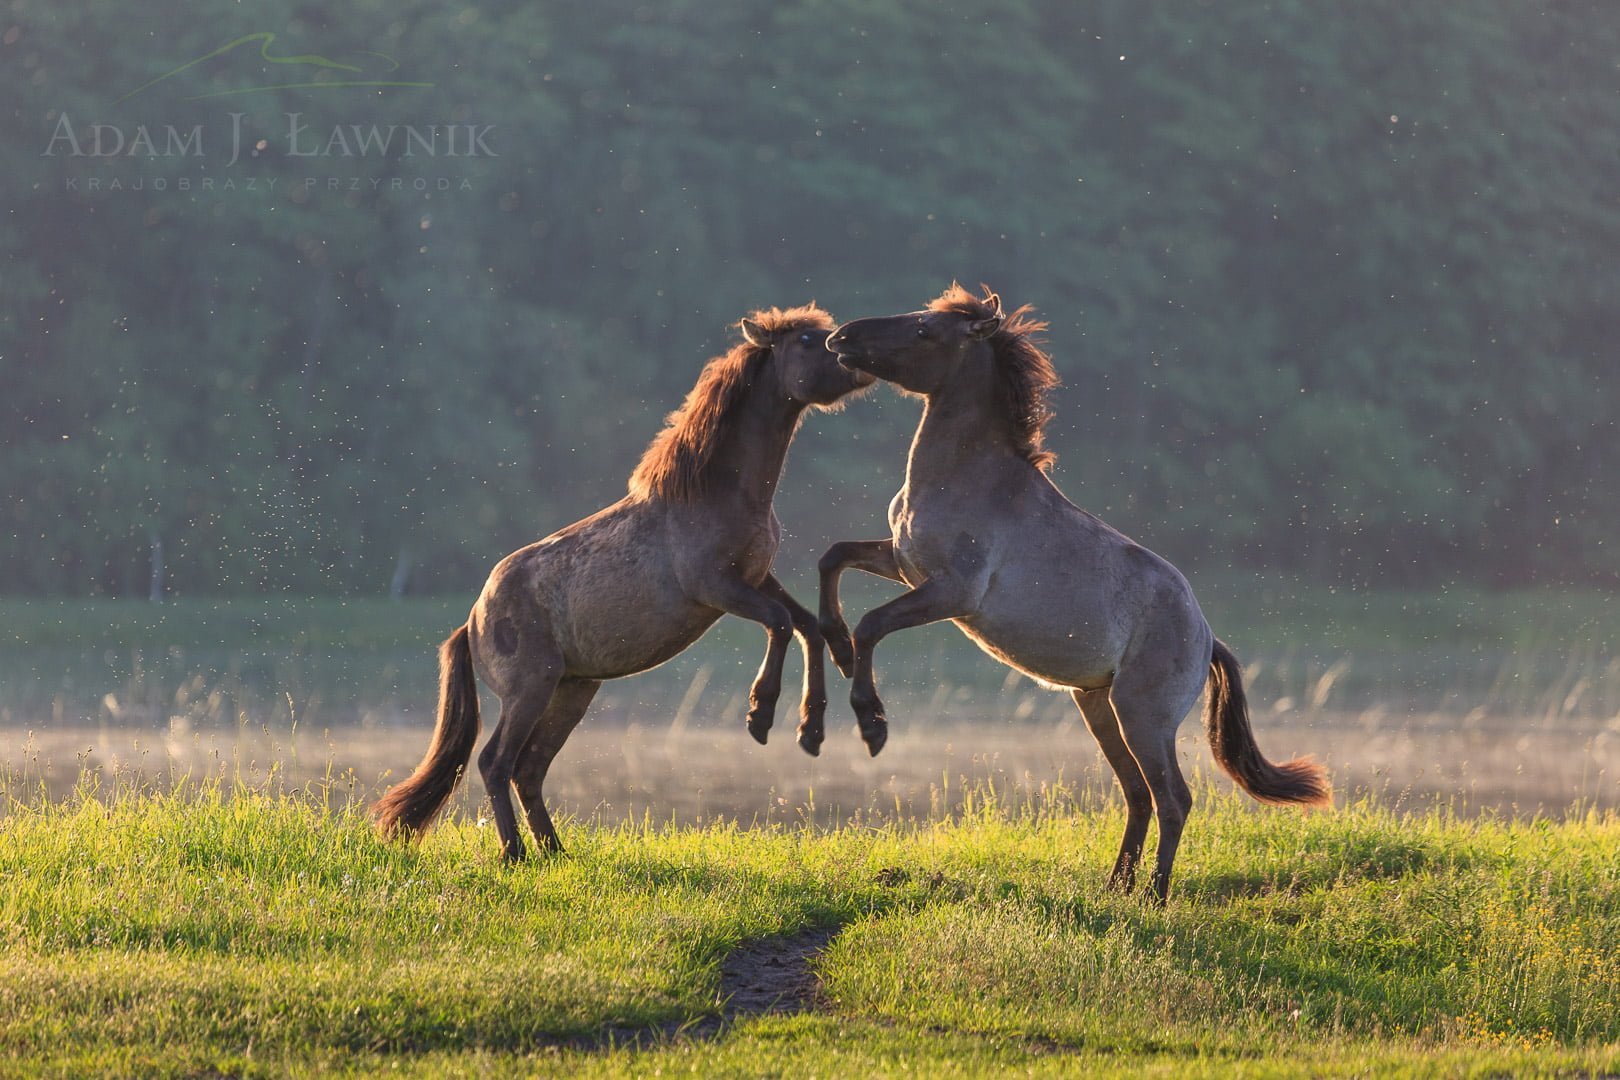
column 1067, row 652
column 609, row 644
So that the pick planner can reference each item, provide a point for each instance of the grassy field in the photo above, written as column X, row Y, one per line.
column 205, row 932
column 1539, row 653
column 188, row 887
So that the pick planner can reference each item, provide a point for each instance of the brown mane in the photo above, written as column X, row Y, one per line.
column 676, row 461
column 1025, row 374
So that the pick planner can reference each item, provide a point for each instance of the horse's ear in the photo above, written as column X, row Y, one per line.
column 979, row 329
column 754, row 334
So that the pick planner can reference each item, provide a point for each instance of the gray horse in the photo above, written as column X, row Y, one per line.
column 984, row 538
column 636, row 583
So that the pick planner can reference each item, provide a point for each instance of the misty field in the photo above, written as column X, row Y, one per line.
column 1466, row 700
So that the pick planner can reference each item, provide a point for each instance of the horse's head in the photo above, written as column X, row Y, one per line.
column 807, row 372
column 919, row 351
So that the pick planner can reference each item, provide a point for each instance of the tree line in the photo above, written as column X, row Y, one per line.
column 1330, row 289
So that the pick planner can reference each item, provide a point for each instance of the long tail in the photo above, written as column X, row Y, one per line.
column 410, row 806
column 1226, row 718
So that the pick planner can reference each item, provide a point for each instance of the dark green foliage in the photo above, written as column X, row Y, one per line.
column 1330, row 289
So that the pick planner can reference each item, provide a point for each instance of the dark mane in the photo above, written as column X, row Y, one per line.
column 1025, row 374
column 674, row 464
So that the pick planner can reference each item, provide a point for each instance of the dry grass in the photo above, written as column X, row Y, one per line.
column 615, row 770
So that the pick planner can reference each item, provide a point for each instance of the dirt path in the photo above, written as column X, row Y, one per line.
column 773, row 975
column 767, row 976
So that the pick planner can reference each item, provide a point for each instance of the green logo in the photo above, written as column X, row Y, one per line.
column 264, row 38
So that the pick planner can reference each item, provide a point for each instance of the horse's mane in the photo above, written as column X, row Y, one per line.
column 1024, row 373
column 674, row 464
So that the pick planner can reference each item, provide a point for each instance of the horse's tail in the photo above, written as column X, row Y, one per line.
column 1226, row 718
column 410, row 806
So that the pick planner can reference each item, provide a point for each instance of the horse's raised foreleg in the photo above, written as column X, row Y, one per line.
column 933, row 600
column 1100, row 718
column 523, row 703
column 736, row 597
column 813, row 704
column 564, row 712
column 872, row 556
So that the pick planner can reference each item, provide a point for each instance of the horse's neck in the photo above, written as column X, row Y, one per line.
column 750, row 458
column 961, row 435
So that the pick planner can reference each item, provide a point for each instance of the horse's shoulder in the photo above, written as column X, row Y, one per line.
column 896, row 506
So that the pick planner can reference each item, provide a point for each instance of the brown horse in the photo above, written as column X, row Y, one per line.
column 636, row 583
column 984, row 538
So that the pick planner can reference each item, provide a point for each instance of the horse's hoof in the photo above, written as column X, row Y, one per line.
column 811, row 743
column 759, row 724
column 875, row 734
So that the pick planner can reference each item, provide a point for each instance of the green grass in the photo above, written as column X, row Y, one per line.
column 1268, row 610
column 257, row 934
column 214, row 658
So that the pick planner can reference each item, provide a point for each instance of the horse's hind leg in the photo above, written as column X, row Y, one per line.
column 567, row 707
column 1148, row 722
column 526, row 695
column 1100, row 718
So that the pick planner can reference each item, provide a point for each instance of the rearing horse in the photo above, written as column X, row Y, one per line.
column 983, row 538
column 634, row 584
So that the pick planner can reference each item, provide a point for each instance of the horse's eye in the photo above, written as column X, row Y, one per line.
column 805, row 337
